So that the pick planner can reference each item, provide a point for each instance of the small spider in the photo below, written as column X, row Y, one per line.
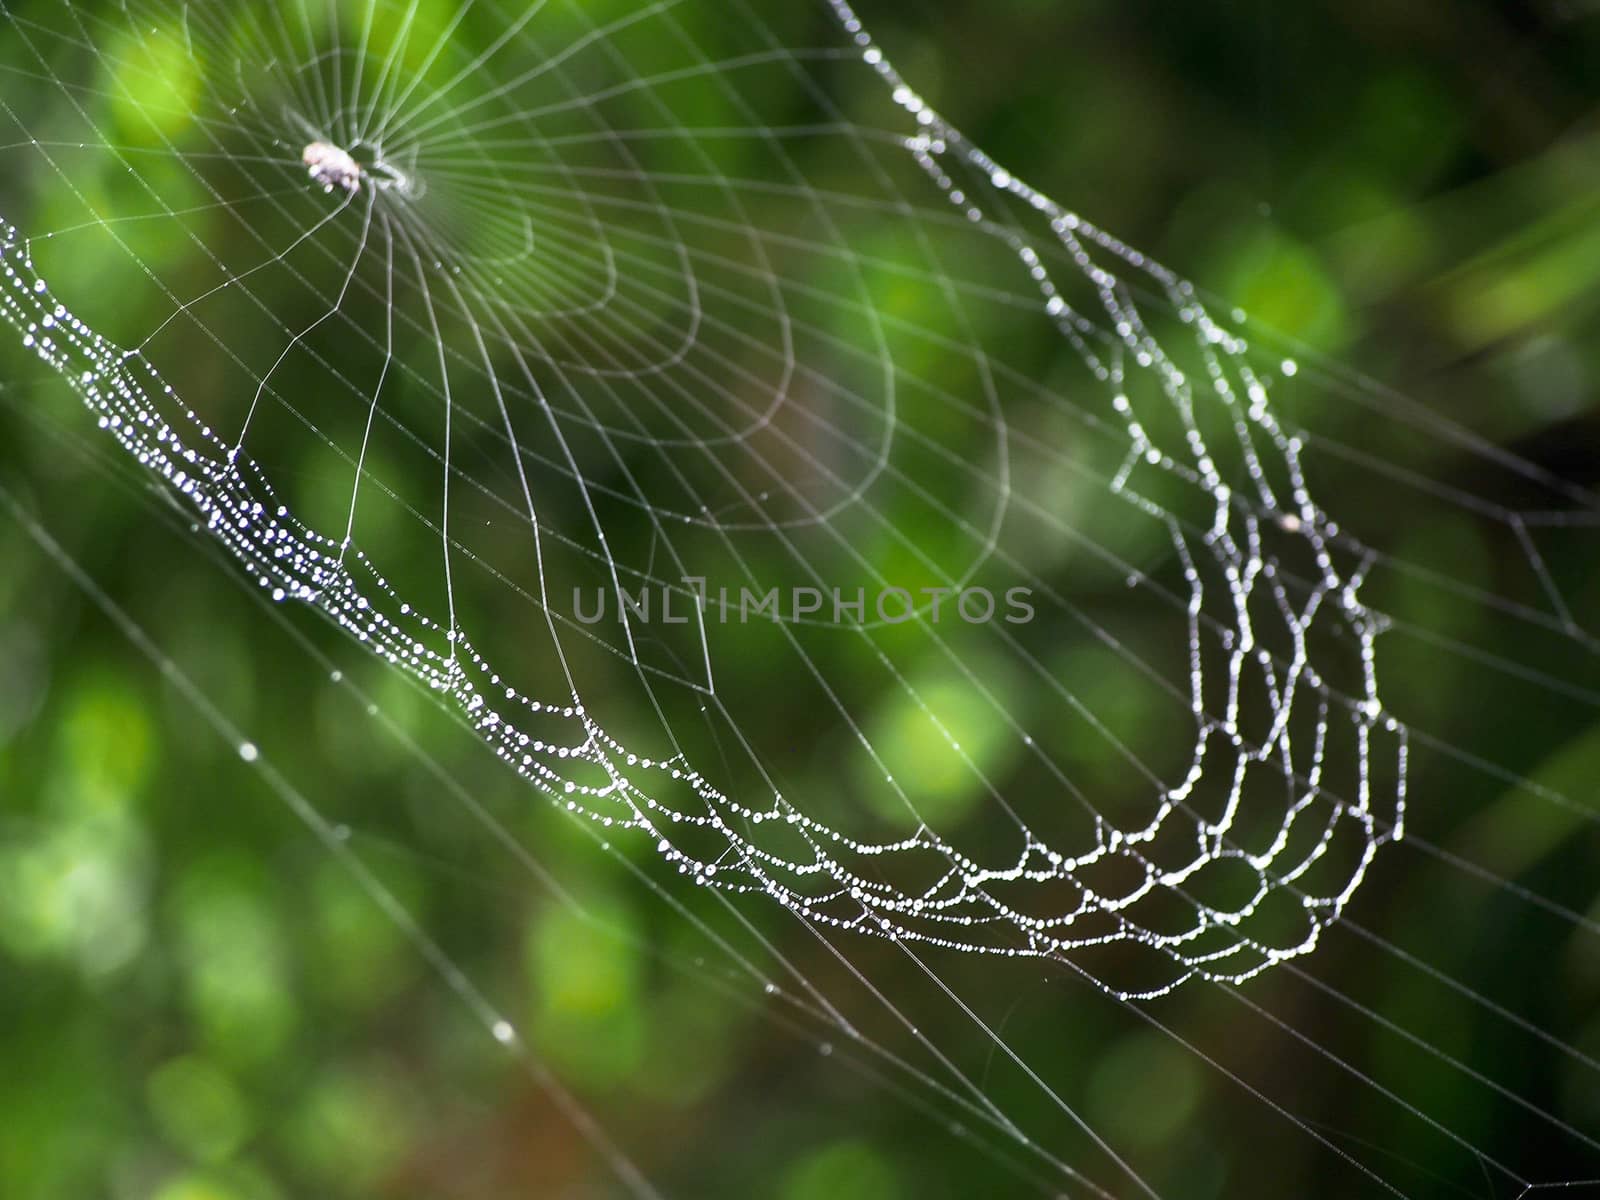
column 332, row 167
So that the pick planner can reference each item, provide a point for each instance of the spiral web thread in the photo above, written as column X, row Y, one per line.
column 960, row 907
column 541, row 289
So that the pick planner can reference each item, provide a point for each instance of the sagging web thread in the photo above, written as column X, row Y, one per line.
column 835, row 878
column 1237, row 594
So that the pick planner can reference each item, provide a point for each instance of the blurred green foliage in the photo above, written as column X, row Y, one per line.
column 200, row 1004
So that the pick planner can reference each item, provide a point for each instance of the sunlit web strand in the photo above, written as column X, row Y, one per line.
column 450, row 661
column 447, row 466
column 808, row 1001
column 1180, row 1039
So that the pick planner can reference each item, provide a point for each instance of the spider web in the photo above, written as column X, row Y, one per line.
column 639, row 318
